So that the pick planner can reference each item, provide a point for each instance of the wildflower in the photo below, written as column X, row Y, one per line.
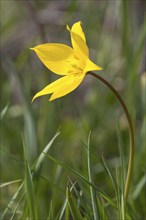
column 71, row 62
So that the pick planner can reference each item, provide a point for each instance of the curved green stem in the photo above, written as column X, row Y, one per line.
column 131, row 153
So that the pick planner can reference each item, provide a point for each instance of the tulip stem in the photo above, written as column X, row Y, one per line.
column 131, row 153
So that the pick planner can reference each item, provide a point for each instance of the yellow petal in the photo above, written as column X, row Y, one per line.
column 56, row 57
column 61, row 87
column 90, row 66
column 72, row 82
column 77, row 29
column 51, row 87
column 78, row 42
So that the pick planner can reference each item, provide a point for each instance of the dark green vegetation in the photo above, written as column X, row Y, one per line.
column 73, row 175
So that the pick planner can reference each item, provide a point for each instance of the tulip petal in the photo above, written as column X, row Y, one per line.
column 72, row 82
column 56, row 57
column 79, row 43
column 90, row 66
column 61, row 87
column 77, row 29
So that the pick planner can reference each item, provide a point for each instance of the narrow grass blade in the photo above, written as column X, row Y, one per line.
column 50, row 217
column 30, row 195
column 66, row 212
column 102, row 211
column 3, row 112
column 9, row 183
column 73, row 171
column 139, row 187
column 103, row 194
column 18, row 203
column 90, row 176
column 30, row 192
column 8, row 208
column 109, row 172
column 73, row 206
column 37, row 166
column 63, row 210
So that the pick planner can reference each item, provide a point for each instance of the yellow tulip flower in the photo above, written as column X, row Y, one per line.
column 71, row 62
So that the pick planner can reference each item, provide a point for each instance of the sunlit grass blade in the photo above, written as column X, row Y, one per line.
column 110, row 202
column 67, row 212
column 18, row 203
column 30, row 192
column 139, row 187
column 37, row 165
column 102, row 211
column 73, row 206
column 51, row 216
column 102, row 194
column 90, row 176
column 111, row 176
column 73, row 171
column 63, row 210
column 9, row 183
column 29, row 187
column 11, row 202
column 3, row 112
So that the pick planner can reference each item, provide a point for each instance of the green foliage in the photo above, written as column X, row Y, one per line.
column 74, row 176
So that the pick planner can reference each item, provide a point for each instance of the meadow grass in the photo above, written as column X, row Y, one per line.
column 68, row 159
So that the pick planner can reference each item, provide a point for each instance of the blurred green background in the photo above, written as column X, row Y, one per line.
column 115, row 32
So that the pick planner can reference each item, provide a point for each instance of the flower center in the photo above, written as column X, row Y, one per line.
column 77, row 66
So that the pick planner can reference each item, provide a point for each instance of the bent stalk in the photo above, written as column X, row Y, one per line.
column 131, row 153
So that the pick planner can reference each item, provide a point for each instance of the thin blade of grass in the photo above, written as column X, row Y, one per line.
column 73, row 171
column 30, row 195
column 8, row 208
column 63, row 210
column 39, row 162
column 3, row 112
column 139, row 187
column 9, row 183
column 90, row 177
column 30, row 192
column 50, row 217
column 73, row 206
column 111, row 176
column 103, row 194
column 15, row 210
column 66, row 212
column 102, row 211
